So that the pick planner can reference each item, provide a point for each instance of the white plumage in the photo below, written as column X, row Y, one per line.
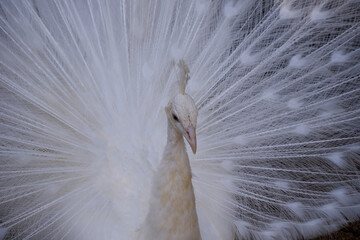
column 83, row 88
column 172, row 210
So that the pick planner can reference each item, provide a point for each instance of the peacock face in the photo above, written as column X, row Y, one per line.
column 182, row 113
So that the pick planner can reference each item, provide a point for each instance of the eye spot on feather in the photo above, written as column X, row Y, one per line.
column 287, row 13
column 318, row 14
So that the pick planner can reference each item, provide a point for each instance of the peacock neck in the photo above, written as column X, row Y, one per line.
column 172, row 213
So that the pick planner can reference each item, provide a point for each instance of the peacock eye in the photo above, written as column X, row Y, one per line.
column 175, row 117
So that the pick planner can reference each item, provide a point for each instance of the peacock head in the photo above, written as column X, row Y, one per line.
column 182, row 113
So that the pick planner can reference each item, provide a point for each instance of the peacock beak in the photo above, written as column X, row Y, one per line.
column 190, row 136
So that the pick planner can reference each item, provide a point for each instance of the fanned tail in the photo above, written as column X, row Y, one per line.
column 279, row 122
column 84, row 84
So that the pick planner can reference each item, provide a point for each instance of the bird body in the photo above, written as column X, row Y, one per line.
column 172, row 213
column 273, row 93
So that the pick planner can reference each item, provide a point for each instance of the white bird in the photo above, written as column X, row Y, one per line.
column 172, row 212
column 84, row 152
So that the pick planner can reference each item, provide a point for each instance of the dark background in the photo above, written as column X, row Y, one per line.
column 351, row 231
